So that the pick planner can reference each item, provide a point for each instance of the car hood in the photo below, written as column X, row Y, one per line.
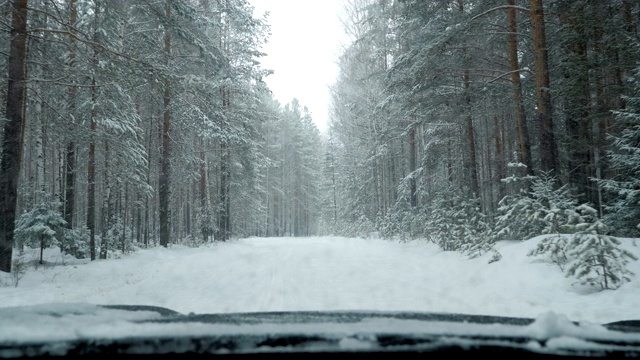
column 85, row 329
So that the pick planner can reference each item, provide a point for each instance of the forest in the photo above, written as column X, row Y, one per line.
column 462, row 122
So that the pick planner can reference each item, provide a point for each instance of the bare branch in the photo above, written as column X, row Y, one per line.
column 84, row 41
column 58, row 82
column 509, row 73
column 501, row 8
column 57, row 19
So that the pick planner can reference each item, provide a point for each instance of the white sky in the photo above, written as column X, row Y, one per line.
column 323, row 273
column 305, row 42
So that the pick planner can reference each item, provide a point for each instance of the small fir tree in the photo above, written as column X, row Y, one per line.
column 118, row 237
column 541, row 210
column 76, row 242
column 458, row 224
column 598, row 259
column 42, row 226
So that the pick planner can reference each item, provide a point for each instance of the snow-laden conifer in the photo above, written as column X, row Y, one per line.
column 622, row 213
column 42, row 226
column 538, row 208
column 597, row 259
column 458, row 224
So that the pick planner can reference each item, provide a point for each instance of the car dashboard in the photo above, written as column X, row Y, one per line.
column 143, row 331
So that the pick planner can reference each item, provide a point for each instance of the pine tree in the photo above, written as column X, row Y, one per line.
column 43, row 226
column 12, row 143
column 458, row 224
column 540, row 210
column 77, row 242
column 597, row 259
column 578, row 243
column 622, row 211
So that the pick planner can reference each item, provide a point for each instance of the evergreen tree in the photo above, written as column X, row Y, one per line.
column 597, row 259
column 458, row 224
column 541, row 210
column 578, row 243
column 43, row 226
column 623, row 211
column 13, row 139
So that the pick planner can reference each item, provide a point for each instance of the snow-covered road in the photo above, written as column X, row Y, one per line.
column 324, row 273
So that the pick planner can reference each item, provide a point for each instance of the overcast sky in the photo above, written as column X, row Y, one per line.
column 306, row 38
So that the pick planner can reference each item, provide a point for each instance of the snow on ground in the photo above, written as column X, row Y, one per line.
column 326, row 273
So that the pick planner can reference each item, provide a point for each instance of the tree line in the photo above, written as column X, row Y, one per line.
column 462, row 122
column 469, row 122
column 130, row 123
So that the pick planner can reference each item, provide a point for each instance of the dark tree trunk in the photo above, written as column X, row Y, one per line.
column 548, row 150
column 449, row 161
column 69, row 199
column 124, row 218
column 107, row 206
column 187, row 212
column 138, row 227
column 12, row 143
column 204, row 209
column 578, row 100
column 524, row 143
column 91, row 171
column 473, row 163
column 609, row 86
column 412, row 165
column 91, row 178
column 147, row 209
column 165, row 166
column 223, row 209
column 500, row 161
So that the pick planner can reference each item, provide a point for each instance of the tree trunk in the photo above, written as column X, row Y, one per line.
column 165, row 167
column 69, row 199
column 11, row 158
column 40, row 182
column 473, row 165
column 524, row 143
column 187, row 212
column 548, row 150
column 138, row 217
column 91, row 177
column 578, row 104
column 449, row 161
column 204, row 208
column 412, row 165
column 107, row 204
column 91, row 166
column 146, row 201
column 223, row 209
column 124, row 218
column 500, row 163
column 608, row 89
column 333, row 188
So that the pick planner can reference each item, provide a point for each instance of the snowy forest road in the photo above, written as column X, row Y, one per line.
column 255, row 274
column 317, row 273
column 274, row 274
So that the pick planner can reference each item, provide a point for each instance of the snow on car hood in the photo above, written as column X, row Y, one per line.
column 73, row 323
